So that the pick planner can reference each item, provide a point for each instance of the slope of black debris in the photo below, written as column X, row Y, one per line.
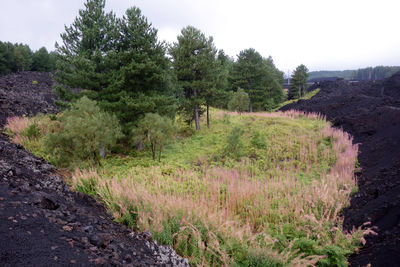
column 26, row 93
column 370, row 111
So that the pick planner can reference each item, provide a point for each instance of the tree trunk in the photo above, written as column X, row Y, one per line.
column 196, row 112
column 196, row 117
column 96, row 158
column 153, row 151
column 250, row 106
column 208, row 116
column 102, row 151
column 159, row 154
column 139, row 146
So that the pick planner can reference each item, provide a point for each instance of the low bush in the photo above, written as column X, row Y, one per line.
column 234, row 145
column 84, row 132
column 240, row 101
column 156, row 130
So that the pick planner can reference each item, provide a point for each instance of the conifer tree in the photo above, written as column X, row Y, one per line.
column 195, row 66
column 259, row 78
column 41, row 60
column 119, row 62
column 83, row 55
column 298, row 82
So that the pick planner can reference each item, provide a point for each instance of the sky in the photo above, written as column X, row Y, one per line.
column 322, row 34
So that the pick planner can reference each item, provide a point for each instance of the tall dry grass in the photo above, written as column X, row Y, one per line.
column 233, row 204
column 15, row 127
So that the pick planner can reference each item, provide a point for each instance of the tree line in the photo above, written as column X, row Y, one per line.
column 132, row 85
column 364, row 74
column 123, row 66
column 374, row 73
column 19, row 57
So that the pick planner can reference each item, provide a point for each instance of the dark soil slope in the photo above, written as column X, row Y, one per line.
column 371, row 113
column 42, row 223
column 26, row 93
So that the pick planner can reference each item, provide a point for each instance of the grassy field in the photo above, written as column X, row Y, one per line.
column 260, row 189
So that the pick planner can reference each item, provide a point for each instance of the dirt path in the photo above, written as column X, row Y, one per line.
column 371, row 113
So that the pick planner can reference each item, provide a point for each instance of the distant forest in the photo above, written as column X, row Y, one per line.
column 365, row 74
column 20, row 57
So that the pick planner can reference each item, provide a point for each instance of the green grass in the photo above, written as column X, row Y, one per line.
column 307, row 96
column 252, row 190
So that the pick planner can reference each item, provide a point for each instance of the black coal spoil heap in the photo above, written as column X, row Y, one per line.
column 370, row 111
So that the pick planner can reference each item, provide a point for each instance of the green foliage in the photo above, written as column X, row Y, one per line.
column 42, row 60
column 298, row 82
column 22, row 57
column 118, row 61
column 34, row 82
column 195, row 67
column 258, row 140
column 87, row 187
column 129, row 217
column 19, row 57
column 7, row 61
column 156, row 130
column 370, row 73
column 259, row 78
column 307, row 96
column 33, row 131
column 84, row 131
column 239, row 101
column 376, row 73
column 234, row 145
column 345, row 74
column 186, row 172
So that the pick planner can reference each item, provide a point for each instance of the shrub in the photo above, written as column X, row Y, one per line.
column 239, row 101
column 258, row 140
column 156, row 130
column 85, row 131
column 234, row 145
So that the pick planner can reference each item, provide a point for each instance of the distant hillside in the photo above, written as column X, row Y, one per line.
column 345, row 74
column 365, row 74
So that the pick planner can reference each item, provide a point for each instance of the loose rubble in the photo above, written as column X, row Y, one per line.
column 370, row 111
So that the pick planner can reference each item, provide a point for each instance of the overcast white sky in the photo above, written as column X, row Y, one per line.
column 322, row 34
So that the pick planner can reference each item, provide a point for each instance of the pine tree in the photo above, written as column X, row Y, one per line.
column 239, row 101
column 119, row 62
column 22, row 57
column 7, row 61
column 141, row 72
column 223, row 87
column 259, row 78
column 195, row 66
column 41, row 60
column 298, row 82
column 83, row 56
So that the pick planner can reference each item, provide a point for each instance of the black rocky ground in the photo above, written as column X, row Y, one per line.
column 370, row 111
column 26, row 93
column 42, row 223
